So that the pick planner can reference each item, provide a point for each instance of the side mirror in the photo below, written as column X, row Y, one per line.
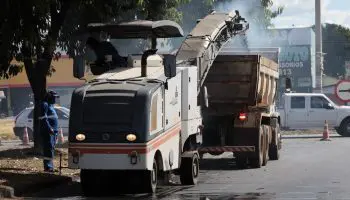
column 204, row 97
column 329, row 106
column 169, row 62
column 78, row 67
column 288, row 84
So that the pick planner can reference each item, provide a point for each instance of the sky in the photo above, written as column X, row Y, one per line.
column 301, row 13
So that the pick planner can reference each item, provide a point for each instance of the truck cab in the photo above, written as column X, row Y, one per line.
column 311, row 110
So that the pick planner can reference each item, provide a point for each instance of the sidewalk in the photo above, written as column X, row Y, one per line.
column 22, row 173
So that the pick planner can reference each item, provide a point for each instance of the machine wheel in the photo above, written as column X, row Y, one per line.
column 274, row 153
column 266, row 145
column 241, row 162
column 256, row 161
column 89, row 184
column 151, row 179
column 344, row 129
column 189, row 170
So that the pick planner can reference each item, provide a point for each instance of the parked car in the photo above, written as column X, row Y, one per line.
column 25, row 119
column 311, row 110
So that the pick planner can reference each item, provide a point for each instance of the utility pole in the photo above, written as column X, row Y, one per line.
column 319, row 53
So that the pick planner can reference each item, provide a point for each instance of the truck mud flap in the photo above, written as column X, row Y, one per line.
column 227, row 149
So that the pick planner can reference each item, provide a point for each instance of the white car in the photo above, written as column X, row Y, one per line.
column 25, row 119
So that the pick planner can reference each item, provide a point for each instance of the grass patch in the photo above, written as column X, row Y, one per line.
column 6, row 129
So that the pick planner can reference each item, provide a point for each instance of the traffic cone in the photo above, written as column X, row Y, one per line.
column 325, row 132
column 60, row 137
column 25, row 138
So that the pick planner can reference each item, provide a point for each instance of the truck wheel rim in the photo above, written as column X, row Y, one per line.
column 154, row 174
column 195, row 168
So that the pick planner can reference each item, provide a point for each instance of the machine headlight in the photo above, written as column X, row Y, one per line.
column 131, row 137
column 80, row 137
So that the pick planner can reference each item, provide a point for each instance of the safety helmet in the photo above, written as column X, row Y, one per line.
column 51, row 93
column 51, row 96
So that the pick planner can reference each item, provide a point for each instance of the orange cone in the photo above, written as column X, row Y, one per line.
column 60, row 137
column 325, row 132
column 25, row 138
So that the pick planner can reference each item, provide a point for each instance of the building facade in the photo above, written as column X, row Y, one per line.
column 297, row 57
column 18, row 94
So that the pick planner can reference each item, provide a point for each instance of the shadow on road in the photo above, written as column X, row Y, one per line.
column 73, row 189
column 218, row 164
column 307, row 136
column 23, row 182
column 23, row 153
column 17, row 153
column 230, row 196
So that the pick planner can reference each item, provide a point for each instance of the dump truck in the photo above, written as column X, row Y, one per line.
column 241, row 116
column 138, row 124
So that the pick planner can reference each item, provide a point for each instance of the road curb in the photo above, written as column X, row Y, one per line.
column 6, row 192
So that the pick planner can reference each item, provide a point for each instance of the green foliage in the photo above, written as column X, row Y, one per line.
column 336, row 46
column 31, row 30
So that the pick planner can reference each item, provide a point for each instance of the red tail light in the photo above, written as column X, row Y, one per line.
column 242, row 116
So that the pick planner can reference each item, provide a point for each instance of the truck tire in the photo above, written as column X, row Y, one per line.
column 343, row 129
column 150, row 180
column 266, row 145
column 189, row 170
column 89, row 183
column 257, row 160
column 274, row 153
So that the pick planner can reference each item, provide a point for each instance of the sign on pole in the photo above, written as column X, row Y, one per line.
column 342, row 90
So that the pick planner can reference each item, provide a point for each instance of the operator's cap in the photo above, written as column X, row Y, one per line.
column 52, row 93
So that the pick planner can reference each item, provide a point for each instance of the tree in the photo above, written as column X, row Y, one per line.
column 32, row 30
column 336, row 46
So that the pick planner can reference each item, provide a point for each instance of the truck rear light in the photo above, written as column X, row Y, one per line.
column 242, row 116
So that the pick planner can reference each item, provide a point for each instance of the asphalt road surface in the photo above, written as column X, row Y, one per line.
column 308, row 169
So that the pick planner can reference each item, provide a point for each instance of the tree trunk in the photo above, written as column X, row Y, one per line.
column 37, row 79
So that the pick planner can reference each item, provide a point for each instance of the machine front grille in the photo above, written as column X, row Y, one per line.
column 116, row 109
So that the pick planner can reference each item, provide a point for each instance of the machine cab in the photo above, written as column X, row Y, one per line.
column 139, row 29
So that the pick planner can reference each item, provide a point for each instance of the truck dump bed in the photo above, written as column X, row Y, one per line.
column 235, row 81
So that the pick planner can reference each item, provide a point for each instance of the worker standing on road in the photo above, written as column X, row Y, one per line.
column 49, row 129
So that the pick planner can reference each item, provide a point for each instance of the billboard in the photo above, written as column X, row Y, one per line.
column 295, row 60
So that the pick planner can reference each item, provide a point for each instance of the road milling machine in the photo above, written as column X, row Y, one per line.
column 133, row 126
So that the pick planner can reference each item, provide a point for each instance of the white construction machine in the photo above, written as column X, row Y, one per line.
column 135, row 125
